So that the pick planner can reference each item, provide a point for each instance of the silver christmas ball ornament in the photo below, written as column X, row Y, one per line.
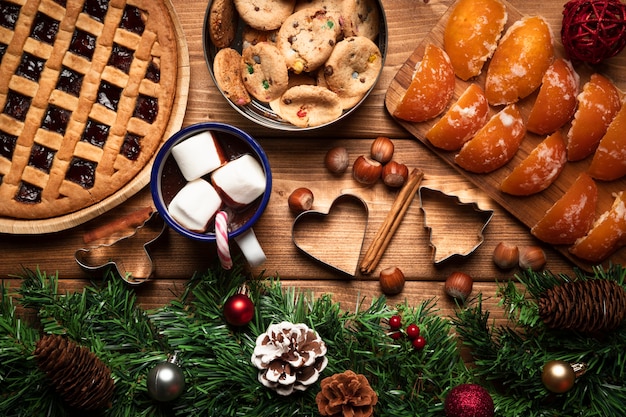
column 166, row 381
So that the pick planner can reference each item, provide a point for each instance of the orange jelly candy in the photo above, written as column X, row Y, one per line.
column 539, row 169
column 598, row 104
column 471, row 34
column 609, row 160
column 524, row 54
column 495, row 143
column 571, row 216
column 556, row 102
column 607, row 235
column 431, row 88
column 461, row 121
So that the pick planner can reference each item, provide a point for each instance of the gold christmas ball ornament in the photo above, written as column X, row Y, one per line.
column 560, row 376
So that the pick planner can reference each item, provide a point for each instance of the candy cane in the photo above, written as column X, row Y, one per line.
column 221, row 235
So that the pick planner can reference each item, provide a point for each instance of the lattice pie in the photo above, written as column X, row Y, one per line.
column 86, row 92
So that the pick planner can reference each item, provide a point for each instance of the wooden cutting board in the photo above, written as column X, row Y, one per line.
column 527, row 209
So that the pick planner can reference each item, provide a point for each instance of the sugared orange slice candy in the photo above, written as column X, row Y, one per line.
column 609, row 160
column 495, row 143
column 524, row 54
column 556, row 102
column 598, row 104
column 607, row 234
column 539, row 169
column 431, row 88
column 471, row 34
column 571, row 216
column 461, row 121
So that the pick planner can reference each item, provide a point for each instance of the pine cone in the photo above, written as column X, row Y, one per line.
column 79, row 377
column 290, row 357
column 346, row 395
column 586, row 306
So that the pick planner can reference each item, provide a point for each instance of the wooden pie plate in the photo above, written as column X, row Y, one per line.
column 528, row 210
column 55, row 224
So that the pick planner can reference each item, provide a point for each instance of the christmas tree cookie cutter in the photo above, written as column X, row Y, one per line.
column 333, row 238
column 454, row 228
column 127, row 252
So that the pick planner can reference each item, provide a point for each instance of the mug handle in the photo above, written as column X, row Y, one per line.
column 250, row 247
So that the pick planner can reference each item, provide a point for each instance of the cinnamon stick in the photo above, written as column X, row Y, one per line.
column 131, row 220
column 394, row 217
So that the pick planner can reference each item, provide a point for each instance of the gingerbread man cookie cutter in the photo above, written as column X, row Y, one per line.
column 128, row 255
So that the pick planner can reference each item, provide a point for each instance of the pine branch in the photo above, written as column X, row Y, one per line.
column 511, row 357
column 215, row 357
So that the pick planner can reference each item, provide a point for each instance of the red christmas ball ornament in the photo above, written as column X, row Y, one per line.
column 593, row 30
column 238, row 310
column 469, row 400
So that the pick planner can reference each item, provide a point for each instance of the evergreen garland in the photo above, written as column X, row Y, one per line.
column 511, row 357
column 215, row 357
column 221, row 381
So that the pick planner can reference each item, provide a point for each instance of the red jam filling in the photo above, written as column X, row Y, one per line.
column 70, row 81
column 132, row 20
column 41, row 157
column 9, row 13
column 95, row 133
column 97, row 9
column 82, row 172
column 7, row 145
column 44, row 28
column 30, row 67
column 121, row 58
column 146, row 108
column 17, row 105
column 131, row 146
column 109, row 95
column 56, row 119
column 83, row 44
column 28, row 193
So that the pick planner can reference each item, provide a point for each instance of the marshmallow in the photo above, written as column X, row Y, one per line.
column 241, row 180
column 198, row 155
column 194, row 205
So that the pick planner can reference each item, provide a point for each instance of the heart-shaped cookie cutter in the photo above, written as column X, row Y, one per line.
column 129, row 255
column 458, row 235
column 310, row 228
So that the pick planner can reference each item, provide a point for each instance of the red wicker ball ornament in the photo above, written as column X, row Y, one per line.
column 593, row 30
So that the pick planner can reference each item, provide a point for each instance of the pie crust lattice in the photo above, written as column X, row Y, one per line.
column 86, row 92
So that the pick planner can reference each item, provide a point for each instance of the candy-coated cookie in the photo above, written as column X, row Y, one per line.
column 264, row 71
column 265, row 14
column 307, row 38
column 309, row 105
column 352, row 69
column 228, row 76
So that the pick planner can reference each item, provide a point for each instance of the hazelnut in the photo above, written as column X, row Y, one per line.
column 532, row 257
column 301, row 199
column 395, row 174
column 506, row 256
column 382, row 149
column 391, row 280
column 459, row 285
column 337, row 160
column 366, row 170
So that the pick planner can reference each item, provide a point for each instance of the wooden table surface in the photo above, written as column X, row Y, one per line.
column 297, row 160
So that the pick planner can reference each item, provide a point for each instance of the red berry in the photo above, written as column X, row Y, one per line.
column 395, row 322
column 412, row 331
column 395, row 335
column 419, row 342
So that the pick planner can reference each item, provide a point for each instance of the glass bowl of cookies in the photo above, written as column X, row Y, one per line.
column 295, row 64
